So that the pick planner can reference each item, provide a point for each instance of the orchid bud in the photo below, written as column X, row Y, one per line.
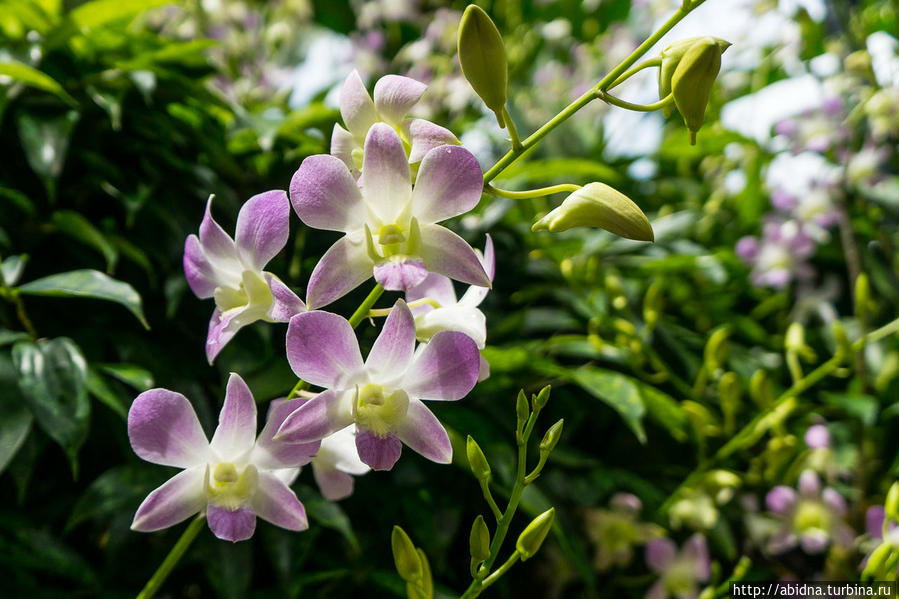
column 551, row 438
column 876, row 561
column 479, row 540
column 760, row 389
column 794, row 341
column 522, row 412
column 598, row 205
column 477, row 461
column 483, row 59
column 863, row 302
column 532, row 537
column 716, row 349
column 541, row 398
column 891, row 505
column 408, row 563
column 688, row 70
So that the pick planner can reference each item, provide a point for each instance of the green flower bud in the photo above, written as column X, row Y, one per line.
column 891, row 505
column 408, row 563
column 542, row 397
column 479, row 540
column 522, row 412
column 760, row 389
column 598, row 205
column 688, row 70
column 483, row 59
column 477, row 461
column 551, row 438
column 532, row 537
column 863, row 302
column 877, row 560
column 716, row 349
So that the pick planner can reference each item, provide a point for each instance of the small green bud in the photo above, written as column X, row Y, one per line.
column 891, row 505
column 598, row 205
column 477, row 461
column 760, row 389
column 522, row 412
column 863, row 303
column 532, row 537
column 423, row 589
column 716, row 349
column 552, row 436
column 689, row 69
column 794, row 341
column 542, row 397
column 483, row 59
column 479, row 540
column 844, row 346
column 877, row 560
column 405, row 556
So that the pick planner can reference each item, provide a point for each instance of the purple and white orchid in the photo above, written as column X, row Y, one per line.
column 335, row 464
column 780, row 256
column 811, row 518
column 390, row 227
column 230, row 270
column 234, row 478
column 394, row 97
column 383, row 395
column 680, row 572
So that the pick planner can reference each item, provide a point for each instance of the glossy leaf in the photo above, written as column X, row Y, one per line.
column 78, row 227
column 15, row 417
column 32, row 77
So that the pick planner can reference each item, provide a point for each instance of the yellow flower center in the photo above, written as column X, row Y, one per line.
column 229, row 488
column 380, row 410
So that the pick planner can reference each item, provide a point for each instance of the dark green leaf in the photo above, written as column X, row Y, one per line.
column 30, row 76
column 46, row 141
column 100, row 389
column 617, row 391
column 130, row 374
column 328, row 514
column 76, row 226
column 115, row 490
column 15, row 417
column 12, row 268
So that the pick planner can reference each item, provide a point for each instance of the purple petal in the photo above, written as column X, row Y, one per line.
column 449, row 183
column 626, row 502
column 657, row 590
column 426, row 136
column 395, row 96
column 285, row 302
column 179, row 498
column 314, row 420
column 276, row 503
column 809, row 484
column 236, row 431
column 446, row 253
column 660, row 553
column 217, row 244
column 817, row 437
column 342, row 145
column 322, row 348
column 874, row 518
column 356, row 107
column 219, row 333
column 437, row 287
column 782, row 540
column 325, row 195
column 231, row 525
column 399, row 276
column 379, row 453
column 393, row 348
column 781, row 500
column 333, row 484
column 446, row 369
column 813, row 542
column 423, row 433
column 696, row 550
column 263, row 225
column 484, row 370
column 834, row 501
column 270, row 454
column 200, row 275
column 345, row 266
column 386, row 180
column 747, row 249
column 163, row 429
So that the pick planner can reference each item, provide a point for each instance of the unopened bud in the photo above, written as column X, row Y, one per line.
column 483, row 59
column 405, row 556
column 794, row 341
column 522, row 412
column 876, row 561
column 479, row 540
column 863, row 303
column 532, row 537
column 542, row 397
column 598, row 205
column 760, row 389
column 716, row 349
column 698, row 61
column 477, row 461
column 891, row 505
column 551, row 438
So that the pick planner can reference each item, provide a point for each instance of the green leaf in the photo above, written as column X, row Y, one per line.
column 12, row 268
column 45, row 140
column 328, row 514
column 664, row 409
column 88, row 283
column 130, row 374
column 53, row 378
column 15, row 417
column 617, row 391
column 32, row 77
column 101, row 12
column 76, row 226
column 99, row 388
column 8, row 337
column 115, row 490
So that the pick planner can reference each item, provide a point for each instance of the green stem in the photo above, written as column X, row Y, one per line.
column 610, row 99
column 652, row 62
column 531, row 193
column 513, row 559
column 488, row 497
column 513, row 132
column 171, row 560
column 590, row 95
column 362, row 311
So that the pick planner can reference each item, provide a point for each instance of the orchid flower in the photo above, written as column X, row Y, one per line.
column 336, row 463
column 617, row 530
column 811, row 518
column 680, row 571
column 779, row 256
column 390, row 227
column 382, row 396
column 230, row 270
column 234, row 478
column 394, row 97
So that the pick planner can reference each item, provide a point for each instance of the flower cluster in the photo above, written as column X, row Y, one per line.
column 386, row 185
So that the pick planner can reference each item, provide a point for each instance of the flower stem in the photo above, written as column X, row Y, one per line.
column 171, row 560
column 488, row 497
column 530, row 193
column 513, row 132
column 501, row 570
column 363, row 309
column 652, row 62
column 609, row 98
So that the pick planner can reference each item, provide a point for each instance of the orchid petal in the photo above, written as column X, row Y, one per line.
column 484, row 370
column 270, row 454
column 356, row 106
column 809, row 484
column 392, row 351
column 449, row 183
column 345, row 266
column 395, row 96
column 163, row 429
column 286, row 303
column 217, row 245
column 231, row 525
column 425, row 136
column 423, row 433
column 200, row 275
column 814, row 541
column 470, row 321
column 834, row 501
column 381, row 453
column 342, row 145
column 316, row 419
column 446, row 369
column 446, row 253
column 781, row 500
column 325, row 196
column 339, row 451
column 263, row 225
column 220, row 333
column 236, row 431
column 333, row 484
column 276, row 503
column 386, row 180
column 657, row 590
column 782, row 540
column 322, row 348
column 177, row 499
column 660, row 553
column 696, row 550
column 436, row 287
column 399, row 276
column 475, row 294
